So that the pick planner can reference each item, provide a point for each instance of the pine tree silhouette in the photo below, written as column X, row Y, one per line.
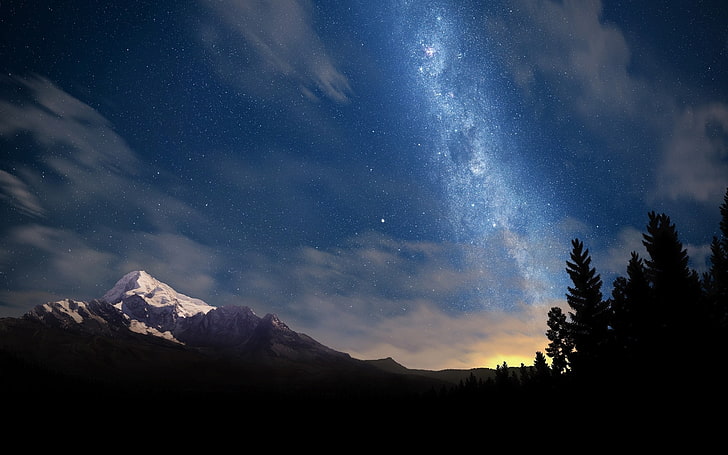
column 541, row 370
column 676, row 316
column 631, row 307
column 716, row 280
column 658, row 323
column 589, row 321
column 560, row 344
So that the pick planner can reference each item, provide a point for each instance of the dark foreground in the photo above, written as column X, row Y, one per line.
column 59, row 382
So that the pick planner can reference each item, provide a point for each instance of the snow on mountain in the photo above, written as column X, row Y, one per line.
column 140, row 303
column 153, row 307
column 93, row 317
column 155, row 293
column 66, row 312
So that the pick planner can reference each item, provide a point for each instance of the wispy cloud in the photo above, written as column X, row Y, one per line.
column 66, row 264
column 15, row 192
column 415, row 301
column 425, row 336
column 83, row 166
column 101, row 212
column 172, row 258
column 284, row 44
column 614, row 260
column 428, row 338
column 86, row 159
column 695, row 164
column 373, row 273
column 54, row 118
column 586, row 62
column 586, row 59
column 63, row 258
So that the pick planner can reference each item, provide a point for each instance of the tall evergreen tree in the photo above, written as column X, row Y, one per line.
column 673, row 282
column 541, row 370
column 631, row 307
column 677, row 316
column 560, row 345
column 716, row 281
column 621, row 308
column 590, row 318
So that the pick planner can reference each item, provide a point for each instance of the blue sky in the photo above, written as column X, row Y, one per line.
column 393, row 178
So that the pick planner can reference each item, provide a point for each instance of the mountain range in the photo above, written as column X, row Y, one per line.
column 143, row 337
column 140, row 304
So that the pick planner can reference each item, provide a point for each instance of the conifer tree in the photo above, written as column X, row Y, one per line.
column 716, row 281
column 502, row 376
column 590, row 318
column 715, row 284
column 620, row 305
column 541, row 370
column 678, row 317
column 560, row 345
column 675, row 287
column 631, row 307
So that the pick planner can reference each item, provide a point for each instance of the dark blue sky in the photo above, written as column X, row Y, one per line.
column 394, row 178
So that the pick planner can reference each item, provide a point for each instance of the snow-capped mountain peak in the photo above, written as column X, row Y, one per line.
column 140, row 304
column 155, row 293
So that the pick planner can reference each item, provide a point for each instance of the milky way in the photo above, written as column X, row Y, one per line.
column 491, row 207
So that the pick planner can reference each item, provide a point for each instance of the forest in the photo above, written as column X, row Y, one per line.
column 660, row 336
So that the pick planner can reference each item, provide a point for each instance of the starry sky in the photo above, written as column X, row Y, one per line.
column 394, row 178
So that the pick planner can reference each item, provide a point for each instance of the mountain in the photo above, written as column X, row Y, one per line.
column 142, row 335
column 156, row 295
column 152, row 306
column 142, row 304
column 450, row 376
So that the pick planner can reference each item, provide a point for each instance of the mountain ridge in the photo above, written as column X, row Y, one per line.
column 152, row 337
column 142, row 304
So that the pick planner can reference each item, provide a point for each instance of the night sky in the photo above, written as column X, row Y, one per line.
column 393, row 178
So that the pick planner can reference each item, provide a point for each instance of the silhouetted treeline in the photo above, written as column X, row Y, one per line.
column 661, row 332
column 509, row 383
column 662, row 322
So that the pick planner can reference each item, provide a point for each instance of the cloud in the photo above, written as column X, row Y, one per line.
column 84, row 167
column 281, row 37
column 104, row 213
column 15, row 192
column 69, row 264
column 614, row 260
column 699, row 257
column 81, row 156
column 56, row 119
column 426, row 337
column 63, row 258
column 584, row 59
column 372, row 273
column 186, row 265
column 416, row 301
column 695, row 164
